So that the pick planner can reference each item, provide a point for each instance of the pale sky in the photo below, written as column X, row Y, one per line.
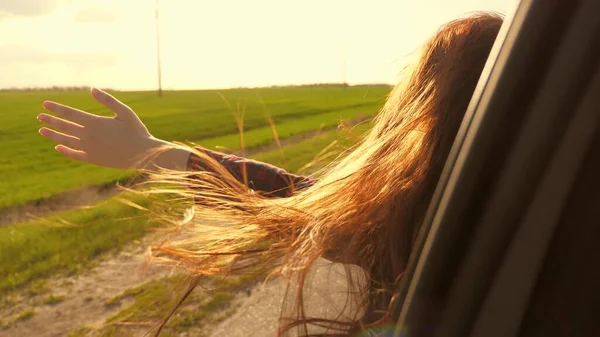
column 218, row 43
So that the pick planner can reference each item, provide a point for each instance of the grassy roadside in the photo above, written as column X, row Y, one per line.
column 69, row 241
column 66, row 242
column 33, row 251
column 149, row 303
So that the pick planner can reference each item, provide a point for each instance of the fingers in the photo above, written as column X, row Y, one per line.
column 121, row 110
column 61, row 138
column 62, row 125
column 72, row 153
column 74, row 115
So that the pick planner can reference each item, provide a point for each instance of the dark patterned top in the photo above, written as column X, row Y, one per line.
column 272, row 180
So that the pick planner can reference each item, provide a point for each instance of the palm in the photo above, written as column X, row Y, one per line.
column 107, row 141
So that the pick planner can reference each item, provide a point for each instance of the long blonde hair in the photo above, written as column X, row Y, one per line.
column 365, row 209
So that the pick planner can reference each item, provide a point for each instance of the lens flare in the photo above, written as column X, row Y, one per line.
column 386, row 330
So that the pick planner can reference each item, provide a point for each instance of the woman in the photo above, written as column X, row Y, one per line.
column 364, row 210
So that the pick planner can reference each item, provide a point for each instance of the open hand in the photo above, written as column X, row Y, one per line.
column 119, row 141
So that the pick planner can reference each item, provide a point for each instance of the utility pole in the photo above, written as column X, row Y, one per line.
column 344, row 67
column 158, row 53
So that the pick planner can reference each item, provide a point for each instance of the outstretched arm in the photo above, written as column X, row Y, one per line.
column 121, row 141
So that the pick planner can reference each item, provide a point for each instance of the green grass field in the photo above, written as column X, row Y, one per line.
column 317, row 151
column 65, row 242
column 32, row 170
column 68, row 241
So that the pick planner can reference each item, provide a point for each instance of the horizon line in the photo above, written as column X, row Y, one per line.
column 85, row 88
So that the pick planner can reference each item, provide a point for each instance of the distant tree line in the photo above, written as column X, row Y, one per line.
column 331, row 85
column 52, row 88
column 86, row 88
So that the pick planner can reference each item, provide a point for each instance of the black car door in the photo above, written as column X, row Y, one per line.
column 511, row 242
